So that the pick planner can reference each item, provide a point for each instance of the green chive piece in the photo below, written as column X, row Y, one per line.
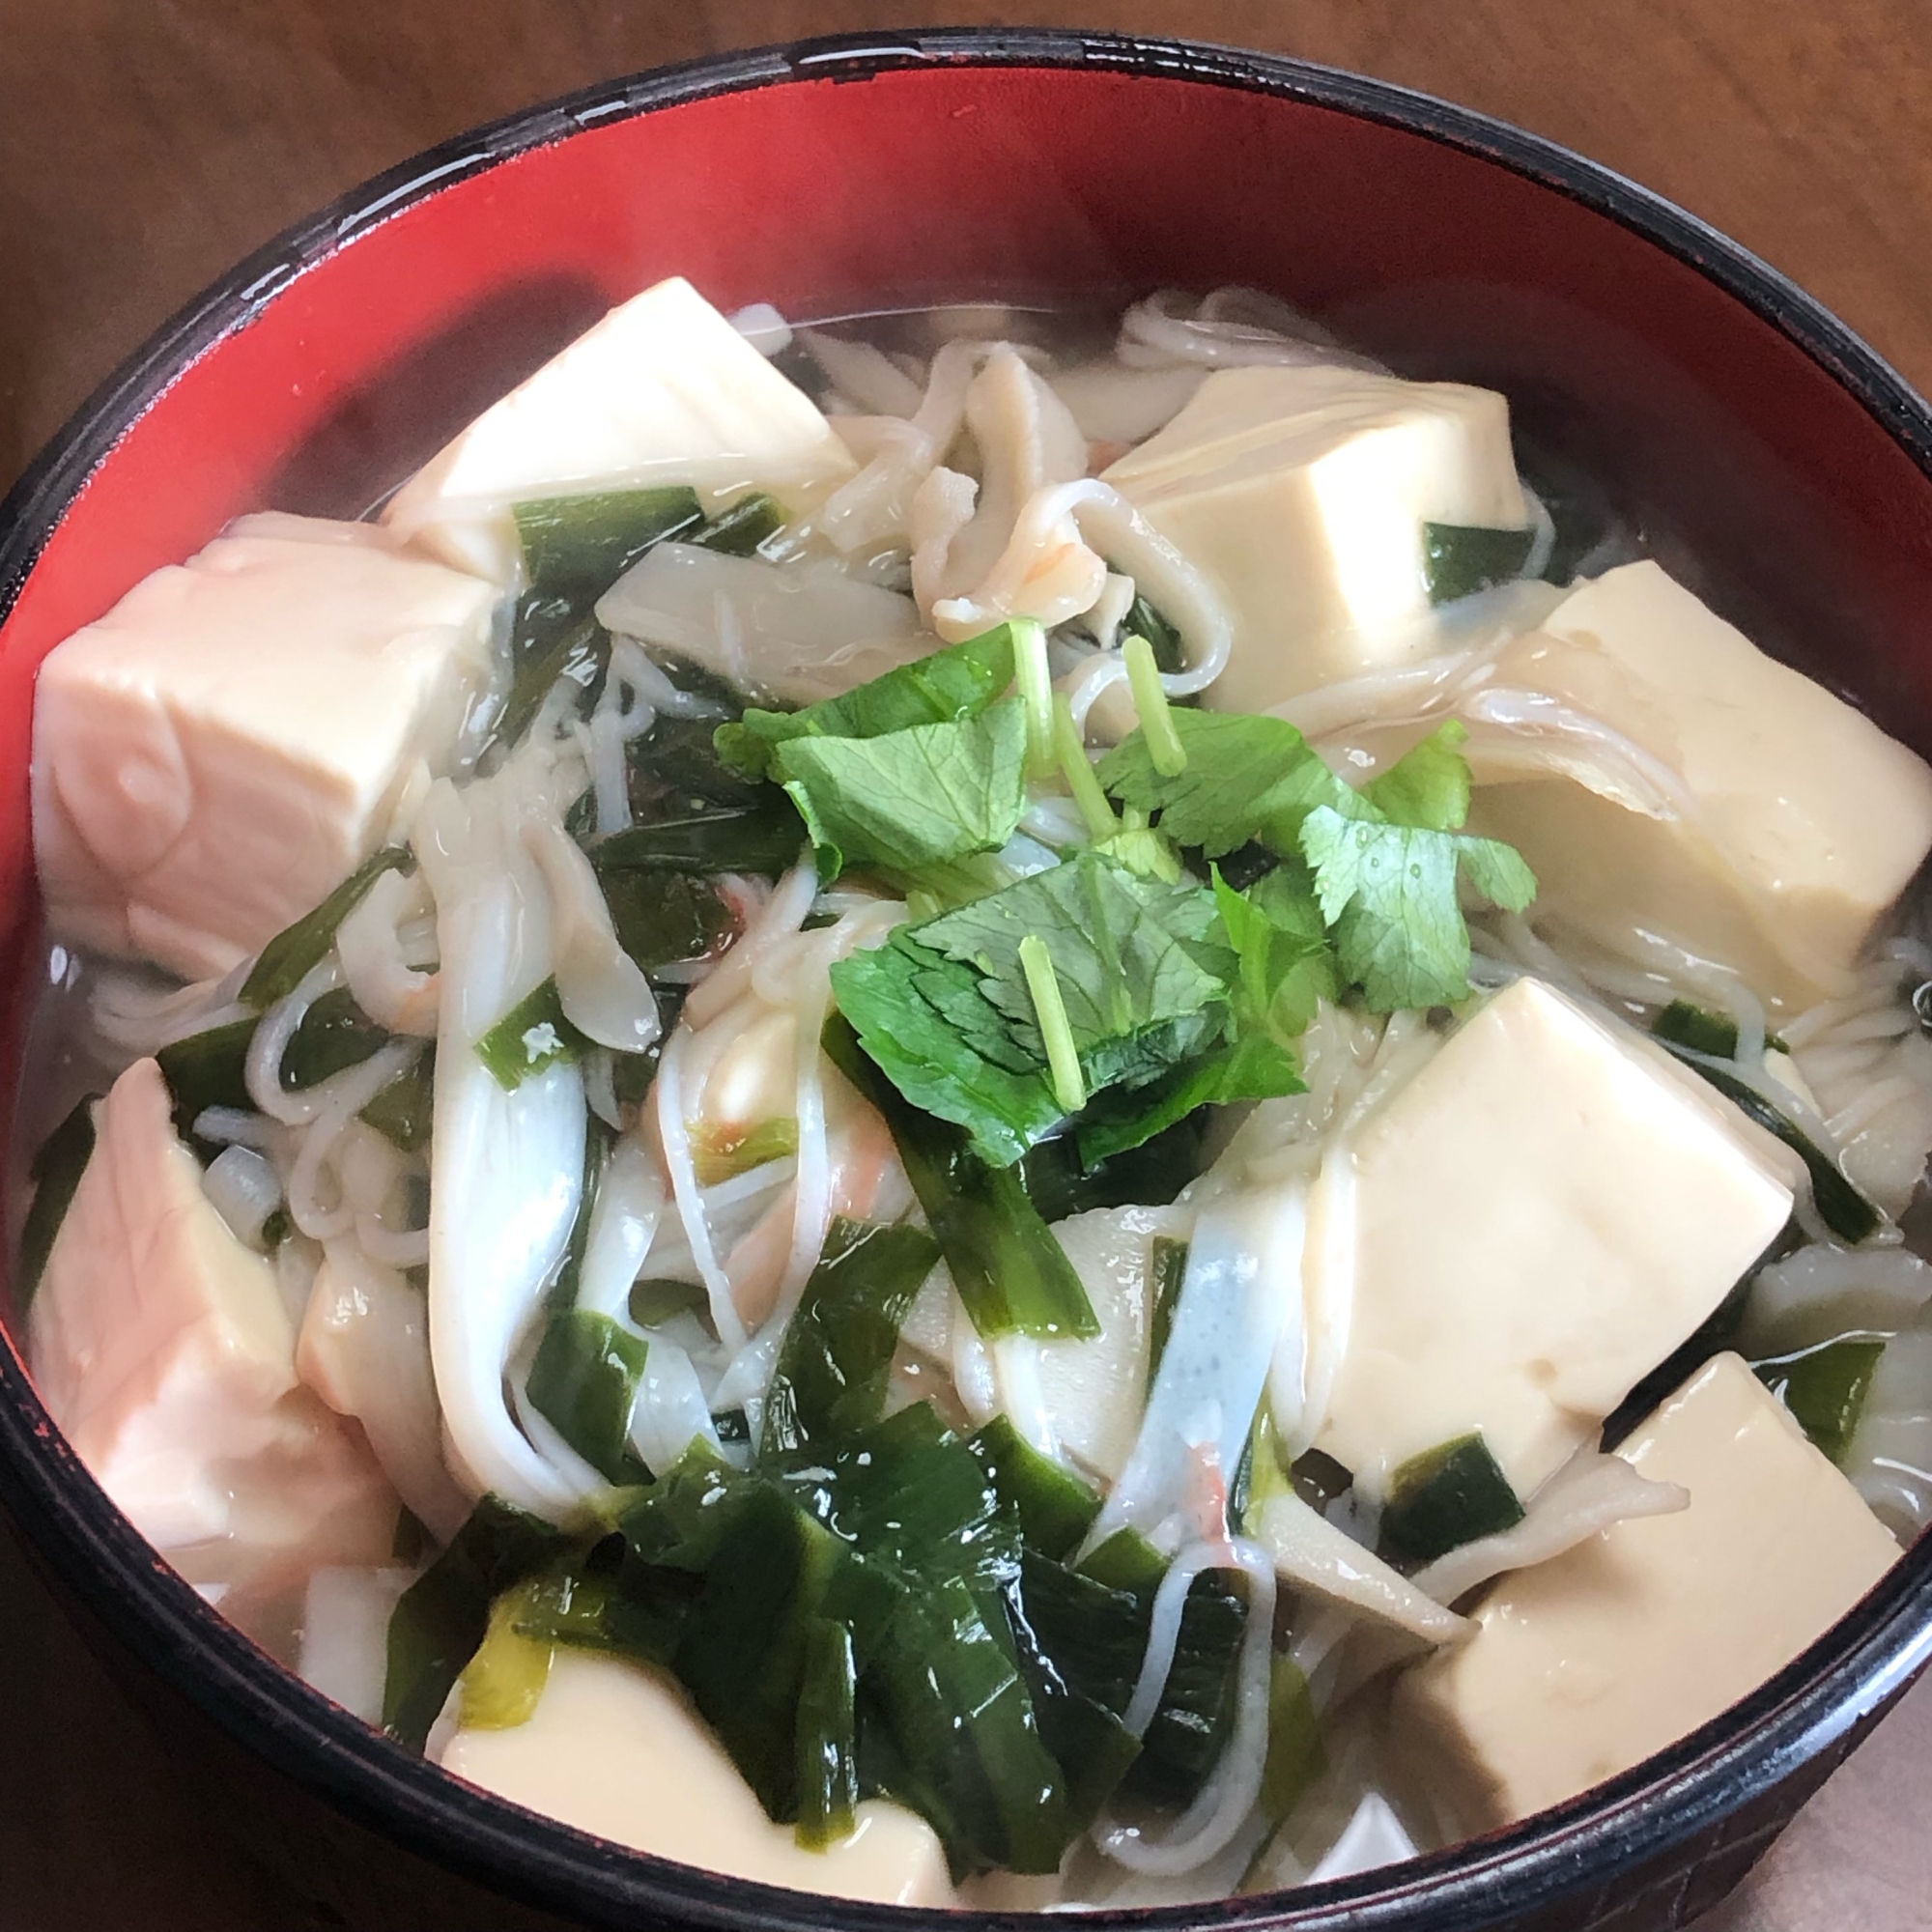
column 1078, row 772
column 1035, row 685
column 1062, row 1059
column 1163, row 741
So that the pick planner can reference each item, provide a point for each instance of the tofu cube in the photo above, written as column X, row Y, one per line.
column 1586, row 1664
column 1542, row 1214
column 1801, row 822
column 616, row 1750
column 229, row 742
column 663, row 390
column 164, row 1350
column 1303, row 493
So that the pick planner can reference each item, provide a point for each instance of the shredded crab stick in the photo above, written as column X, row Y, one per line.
column 506, row 1167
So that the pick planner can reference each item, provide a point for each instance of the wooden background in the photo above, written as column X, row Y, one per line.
column 145, row 145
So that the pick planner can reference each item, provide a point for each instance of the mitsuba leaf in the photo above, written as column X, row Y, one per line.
column 960, row 681
column 1390, row 893
column 923, row 796
column 1247, row 778
column 1429, row 786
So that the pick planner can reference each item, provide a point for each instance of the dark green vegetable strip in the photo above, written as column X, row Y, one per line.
column 440, row 1619
column 401, row 1111
column 828, row 1737
column 1151, row 1174
column 1841, row 1206
column 1682, row 1024
column 1825, row 1389
column 581, row 654
column 763, row 839
column 585, row 1380
column 1054, row 1507
column 1167, row 1261
column 742, row 526
column 1144, row 619
column 57, row 1167
column 1093, row 1623
column 287, row 957
column 653, row 1299
column 208, row 1069
column 533, row 1034
column 1010, row 1271
column 335, row 1034
column 1459, row 560
column 837, row 1355
column 660, row 916
column 1447, row 1496
column 579, row 545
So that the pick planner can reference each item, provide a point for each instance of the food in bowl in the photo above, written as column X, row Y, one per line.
column 990, row 1107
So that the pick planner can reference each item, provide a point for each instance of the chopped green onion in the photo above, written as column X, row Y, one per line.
column 1036, row 685
column 719, row 1154
column 1078, row 771
column 1062, row 1058
column 1163, row 741
column 1447, row 1496
column 1294, row 1754
column 505, row 1682
column 56, row 1172
column 285, row 961
column 530, row 1036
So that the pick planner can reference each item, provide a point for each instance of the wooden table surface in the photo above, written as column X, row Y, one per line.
column 146, row 147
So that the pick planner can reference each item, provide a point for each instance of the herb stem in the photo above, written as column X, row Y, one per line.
column 1078, row 771
column 1032, row 674
column 1062, row 1058
column 1163, row 741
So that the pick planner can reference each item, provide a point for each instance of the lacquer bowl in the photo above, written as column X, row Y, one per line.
column 1764, row 450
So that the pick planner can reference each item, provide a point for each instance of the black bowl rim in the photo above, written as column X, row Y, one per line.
column 96, row 1555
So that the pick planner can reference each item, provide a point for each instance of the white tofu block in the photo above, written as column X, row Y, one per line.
column 229, row 742
column 616, row 1750
column 1587, row 1664
column 164, row 1350
column 663, row 390
column 1805, row 821
column 1303, row 493
column 1543, row 1213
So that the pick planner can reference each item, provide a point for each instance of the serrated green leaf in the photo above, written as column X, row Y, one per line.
column 923, row 796
column 1429, row 784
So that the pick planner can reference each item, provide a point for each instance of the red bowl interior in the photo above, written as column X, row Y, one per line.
column 1727, row 429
